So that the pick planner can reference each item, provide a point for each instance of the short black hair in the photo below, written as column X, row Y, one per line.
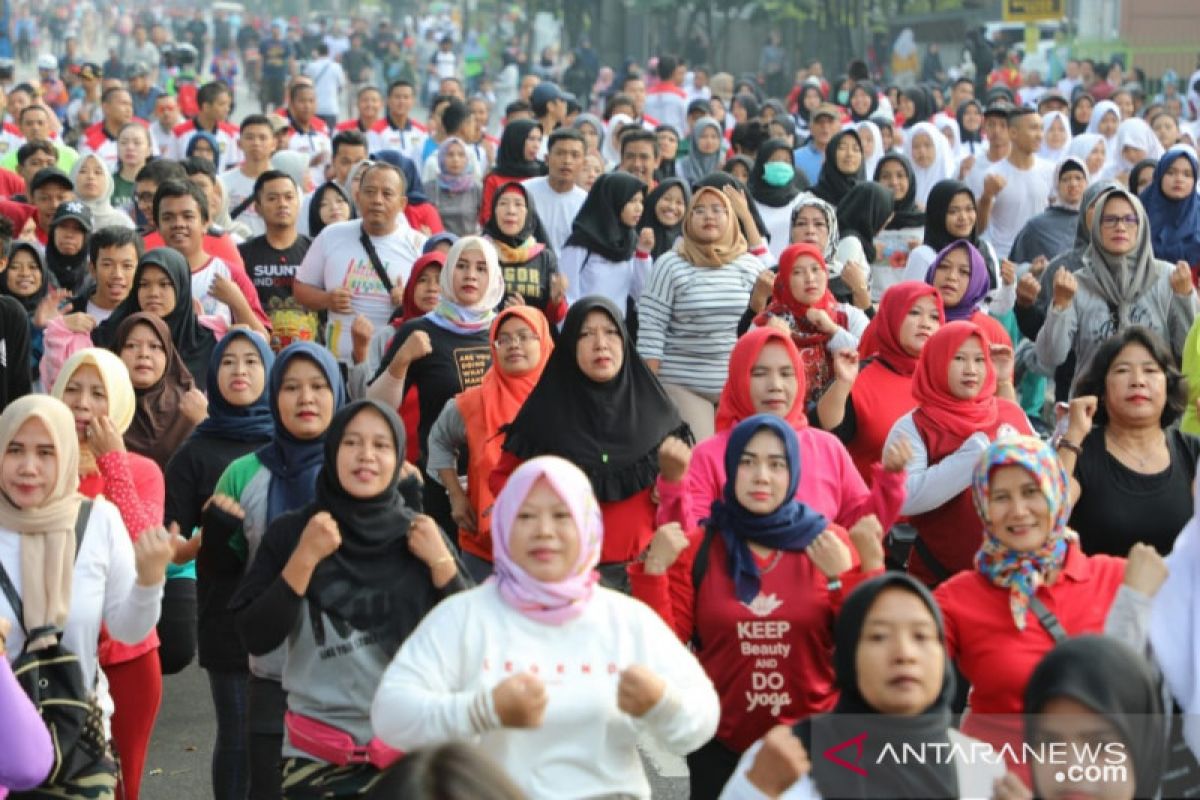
column 6, row 233
column 298, row 87
column 618, row 99
column 198, row 165
column 114, row 236
column 637, row 133
column 666, row 67
column 1094, row 379
column 400, row 82
column 209, row 92
column 161, row 170
column 366, row 89
column 1020, row 111
column 271, row 175
column 256, row 119
column 516, row 107
column 632, row 76
column 454, row 115
column 749, row 135
column 347, row 139
column 107, row 94
column 32, row 107
column 174, row 188
column 27, row 150
column 566, row 135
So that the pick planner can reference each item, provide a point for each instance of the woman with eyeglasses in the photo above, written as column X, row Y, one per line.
column 1121, row 284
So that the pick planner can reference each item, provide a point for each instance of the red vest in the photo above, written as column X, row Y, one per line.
column 880, row 397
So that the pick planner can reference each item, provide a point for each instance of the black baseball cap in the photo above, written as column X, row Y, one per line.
column 50, row 175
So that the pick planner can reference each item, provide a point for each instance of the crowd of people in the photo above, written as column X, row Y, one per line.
column 463, row 464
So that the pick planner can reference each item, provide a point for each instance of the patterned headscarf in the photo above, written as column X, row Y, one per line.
column 1023, row 571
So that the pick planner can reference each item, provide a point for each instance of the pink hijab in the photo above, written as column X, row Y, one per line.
column 549, row 603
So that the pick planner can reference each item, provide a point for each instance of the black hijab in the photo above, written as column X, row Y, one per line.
column 854, row 716
column 905, row 212
column 966, row 136
column 193, row 341
column 765, row 193
column 863, row 212
column 510, row 157
column 70, row 272
column 833, row 184
column 29, row 303
column 719, row 180
column 315, row 225
column 922, row 102
column 666, row 166
column 533, row 223
column 598, row 227
column 936, row 206
column 1078, row 128
column 1114, row 682
column 610, row 430
column 869, row 88
column 664, row 237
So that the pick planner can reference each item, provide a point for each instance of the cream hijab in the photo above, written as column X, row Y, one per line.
column 118, row 389
column 715, row 254
column 47, row 531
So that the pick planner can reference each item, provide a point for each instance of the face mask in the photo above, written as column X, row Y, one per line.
column 778, row 173
column 842, row 97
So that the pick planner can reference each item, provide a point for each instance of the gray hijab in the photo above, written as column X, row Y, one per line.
column 1073, row 259
column 697, row 165
column 1119, row 280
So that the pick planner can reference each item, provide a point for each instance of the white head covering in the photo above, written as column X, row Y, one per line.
column 948, row 127
column 943, row 161
column 1047, row 152
column 1082, row 146
column 871, row 130
column 1134, row 132
column 1102, row 108
column 608, row 147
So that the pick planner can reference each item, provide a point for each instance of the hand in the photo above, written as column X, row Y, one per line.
column 897, row 455
column 639, row 690
column 829, row 554
column 339, row 301
column 225, row 290
column 867, row 538
column 968, row 164
column 993, row 185
column 820, row 319
column 1008, row 272
column 415, row 347
column 409, row 470
column 645, row 242
column 1064, row 288
column 425, row 541
column 668, row 542
column 520, row 701
column 1145, row 570
column 779, row 324
column 1010, row 787
column 397, row 296
column 764, row 287
column 741, row 208
column 194, row 405
column 1181, row 279
column 1003, row 362
column 79, row 322
column 514, row 299
column 845, row 366
column 1038, row 266
column 461, row 511
column 558, row 288
column 1028, row 289
column 779, row 763
column 29, row 231
column 1081, row 412
column 103, row 436
column 674, row 457
column 152, row 552
column 185, row 549
column 361, row 331
column 227, row 504
column 48, row 307
column 855, row 276
column 321, row 537
column 5, row 627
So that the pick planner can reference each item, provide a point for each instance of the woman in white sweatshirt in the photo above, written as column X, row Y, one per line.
column 553, row 676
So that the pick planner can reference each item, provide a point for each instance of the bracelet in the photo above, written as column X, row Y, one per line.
column 834, row 585
column 1066, row 444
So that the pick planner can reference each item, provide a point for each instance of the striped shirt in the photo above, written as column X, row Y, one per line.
column 688, row 318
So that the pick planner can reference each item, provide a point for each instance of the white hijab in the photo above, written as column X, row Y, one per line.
column 1134, row 132
column 871, row 130
column 1102, row 108
column 1082, row 146
column 610, row 148
column 943, row 161
column 1047, row 152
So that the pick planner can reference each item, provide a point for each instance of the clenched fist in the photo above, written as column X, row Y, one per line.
column 668, row 542
column 674, row 457
column 520, row 701
column 639, row 690
column 779, row 763
column 321, row 536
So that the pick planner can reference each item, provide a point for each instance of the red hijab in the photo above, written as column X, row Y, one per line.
column 435, row 260
column 736, row 403
column 784, row 303
column 882, row 337
column 931, row 384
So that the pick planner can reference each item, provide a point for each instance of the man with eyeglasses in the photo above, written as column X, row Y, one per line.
column 1017, row 189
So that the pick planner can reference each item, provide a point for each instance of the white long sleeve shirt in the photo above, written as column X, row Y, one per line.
column 439, row 688
column 589, row 273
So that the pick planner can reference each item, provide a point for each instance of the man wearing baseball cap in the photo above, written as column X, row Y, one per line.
column 142, row 90
column 550, row 107
column 49, row 188
column 995, row 128
column 822, row 125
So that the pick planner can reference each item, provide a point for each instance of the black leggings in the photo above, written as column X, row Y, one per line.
column 709, row 769
column 177, row 625
column 266, row 704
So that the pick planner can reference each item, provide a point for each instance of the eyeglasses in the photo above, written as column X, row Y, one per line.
column 144, row 197
column 508, row 340
column 1112, row 220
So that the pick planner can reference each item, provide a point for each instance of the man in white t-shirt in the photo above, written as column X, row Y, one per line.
column 1017, row 189
column 995, row 128
column 556, row 197
column 256, row 143
column 329, row 80
column 338, row 275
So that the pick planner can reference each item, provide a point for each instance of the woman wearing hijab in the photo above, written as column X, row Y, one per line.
column 162, row 287
column 862, row 215
column 516, row 160
column 842, row 168
column 663, row 213
column 1135, row 141
column 529, row 266
column 603, row 255
column 761, row 555
column 336, row 585
column 610, row 150
column 204, row 145
column 239, row 421
column 1056, row 137
column 1121, row 284
column 94, row 384
column 705, row 151
column 863, row 403
column 749, row 219
column 1082, row 108
column 471, row 424
column 422, row 215
column 600, row 407
column 689, row 310
column 1052, row 232
column 931, row 157
column 916, row 106
column 94, row 188
column 872, row 143
column 26, row 280
column 1105, row 121
column 957, row 414
column 889, row 633
column 766, row 376
column 592, row 128
column 445, row 352
column 905, row 231
column 329, row 204
column 1141, row 175
column 67, row 255
column 457, row 192
column 775, row 184
column 864, row 101
column 558, row 731
column 1092, row 151
column 1031, row 584
column 75, row 582
column 970, row 129
column 1173, row 209
column 305, row 391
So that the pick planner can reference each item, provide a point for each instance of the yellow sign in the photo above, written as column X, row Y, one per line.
column 1033, row 10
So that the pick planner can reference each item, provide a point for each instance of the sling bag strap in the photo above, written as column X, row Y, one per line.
column 6, row 584
column 1048, row 620
column 365, row 241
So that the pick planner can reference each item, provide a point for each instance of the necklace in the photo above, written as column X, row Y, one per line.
column 1141, row 460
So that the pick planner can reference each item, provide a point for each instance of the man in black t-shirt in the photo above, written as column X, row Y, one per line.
column 273, row 258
